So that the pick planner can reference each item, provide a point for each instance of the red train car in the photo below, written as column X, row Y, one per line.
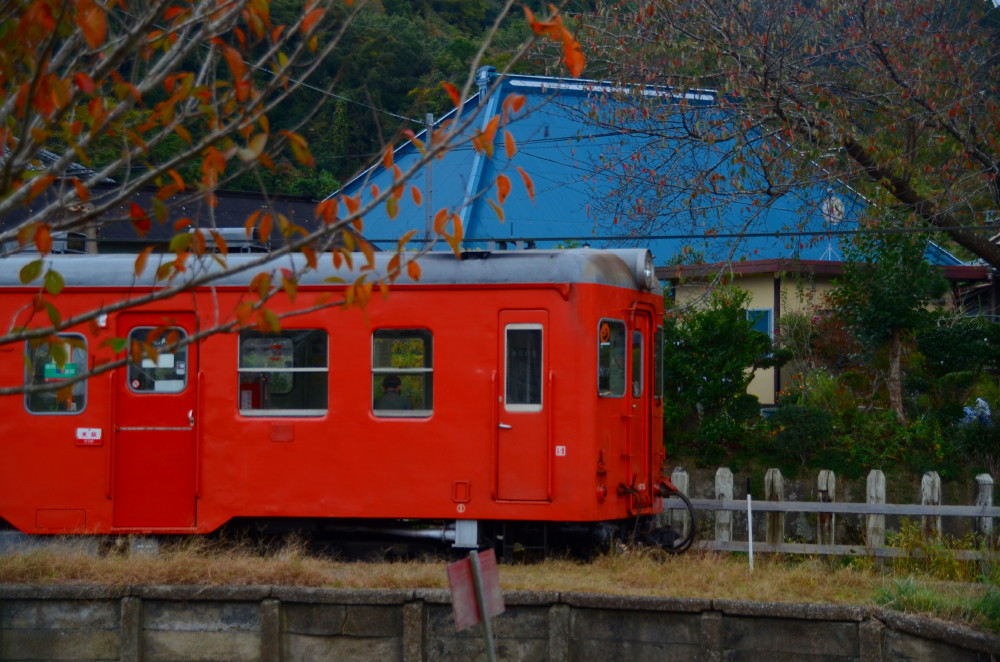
column 505, row 396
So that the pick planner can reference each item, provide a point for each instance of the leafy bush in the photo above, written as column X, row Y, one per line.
column 798, row 433
column 709, row 357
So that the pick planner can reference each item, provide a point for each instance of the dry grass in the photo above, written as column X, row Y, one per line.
column 700, row 575
column 194, row 561
column 626, row 572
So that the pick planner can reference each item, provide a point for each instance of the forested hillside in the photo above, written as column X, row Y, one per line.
column 388, row 73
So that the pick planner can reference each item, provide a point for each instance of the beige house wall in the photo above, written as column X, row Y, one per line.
column 785, row 287
column 780, row 294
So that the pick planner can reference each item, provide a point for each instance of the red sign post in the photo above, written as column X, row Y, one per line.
column 475, row 593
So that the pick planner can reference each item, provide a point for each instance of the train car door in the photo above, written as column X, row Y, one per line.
column 154, row 445
column 640, row 394
column 523, row 407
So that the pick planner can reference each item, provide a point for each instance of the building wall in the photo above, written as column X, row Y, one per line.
column 776, row 294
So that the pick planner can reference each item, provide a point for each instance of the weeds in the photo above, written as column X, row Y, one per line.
column 978, row 607
column 907, row 585
column 938, row 557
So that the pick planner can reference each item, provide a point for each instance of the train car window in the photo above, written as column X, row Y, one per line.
column 638, row 356
column 658, row 363
column 611, row 358
column 283, row 374
column 402, row 372
column 50, row 363
column 523, row 373
column 167, row 372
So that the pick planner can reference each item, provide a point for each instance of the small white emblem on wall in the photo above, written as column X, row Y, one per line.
column 89, row 437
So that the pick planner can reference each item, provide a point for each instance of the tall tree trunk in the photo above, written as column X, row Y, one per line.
column 895, row 374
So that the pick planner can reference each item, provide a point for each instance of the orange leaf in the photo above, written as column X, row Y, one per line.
column 82, row 191
column 573, row 55
column 38, row 185
column 440, row 220
column 243, row 312
column 261, row 284
column 387, row 158
column 405, row 238
column 310, row 20
column 452, row 93
column 368, row 251
column 220, row 243
column 327, row 210
column 251, row 222
column 413, row 270
column 300, row 148
column 140, row 219
column 509, row 144
column 135, row 352
column 490, row 132
column 84, row 82
column 310, row 256
column 513, row 103
column 291, row 287
column 503, row 188
column 497, row 209
column 551, row 28
column 43, row 239
column 265, row 227
column 238, row 68
column 528, row 184
column 142, row 259
column 418, row 197
column 92, row 21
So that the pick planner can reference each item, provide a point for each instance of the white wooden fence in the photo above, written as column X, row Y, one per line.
column 773, row 508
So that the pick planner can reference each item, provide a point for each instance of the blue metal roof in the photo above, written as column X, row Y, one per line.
column 574, row 144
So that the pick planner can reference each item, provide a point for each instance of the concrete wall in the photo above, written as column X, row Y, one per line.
column 275, row 624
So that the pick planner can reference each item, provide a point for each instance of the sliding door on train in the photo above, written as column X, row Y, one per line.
column 641, row 421
column 154, row 429
column 523, row 407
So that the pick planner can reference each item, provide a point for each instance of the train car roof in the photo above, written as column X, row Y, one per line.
column 626, row 268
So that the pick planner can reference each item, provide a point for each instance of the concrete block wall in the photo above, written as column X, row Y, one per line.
column 280, row 624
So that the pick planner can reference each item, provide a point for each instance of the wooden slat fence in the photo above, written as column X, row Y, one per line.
column 773, row 508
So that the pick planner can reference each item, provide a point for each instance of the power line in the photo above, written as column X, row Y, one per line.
column 715, row 235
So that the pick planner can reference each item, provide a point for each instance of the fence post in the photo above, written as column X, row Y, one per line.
column 724, row 492
column 680, row 521
column 774, row 490
column 930, row 495
column 875, row 524
column 827, row 487
column 984, row 498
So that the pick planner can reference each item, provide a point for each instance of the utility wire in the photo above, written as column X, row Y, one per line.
column 717, row 235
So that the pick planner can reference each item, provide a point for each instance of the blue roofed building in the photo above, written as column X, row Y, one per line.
column 637, row 167
column 606, row 175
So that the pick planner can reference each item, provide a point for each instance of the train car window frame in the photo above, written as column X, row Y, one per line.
column 611, row 358
column 393, row 361
column 47, row 403
column 167, row 364
column 523, row 383
column 283, row 374
column 638, row 360
column 658, row 347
